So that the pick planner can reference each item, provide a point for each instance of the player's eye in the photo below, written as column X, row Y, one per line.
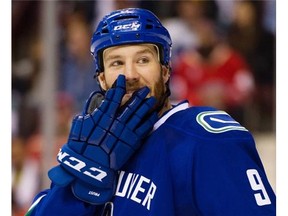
column 143, row 60
column 115, row 63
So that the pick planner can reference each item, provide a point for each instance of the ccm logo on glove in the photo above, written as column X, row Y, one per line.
column 81, row 166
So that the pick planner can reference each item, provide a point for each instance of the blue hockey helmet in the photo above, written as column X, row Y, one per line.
column 130, row 26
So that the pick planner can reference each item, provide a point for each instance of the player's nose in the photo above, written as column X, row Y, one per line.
column 130, row 72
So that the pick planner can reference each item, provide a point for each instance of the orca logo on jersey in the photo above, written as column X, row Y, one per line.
column 78, row 165
column 218, row 122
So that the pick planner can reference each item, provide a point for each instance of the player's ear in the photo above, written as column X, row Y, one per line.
column 102, row 81
column 165, row 73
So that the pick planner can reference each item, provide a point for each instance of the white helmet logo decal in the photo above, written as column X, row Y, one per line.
column 130, row 26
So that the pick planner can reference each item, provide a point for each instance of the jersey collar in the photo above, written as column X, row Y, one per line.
column 181, row 106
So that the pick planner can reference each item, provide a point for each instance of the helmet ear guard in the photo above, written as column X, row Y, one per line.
column 130, row 26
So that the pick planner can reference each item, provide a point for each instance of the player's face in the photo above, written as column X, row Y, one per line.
column 140, row 65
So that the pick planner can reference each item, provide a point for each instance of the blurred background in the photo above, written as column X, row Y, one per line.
column 224, row 55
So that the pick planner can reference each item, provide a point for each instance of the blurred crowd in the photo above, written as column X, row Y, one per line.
column 224, row 55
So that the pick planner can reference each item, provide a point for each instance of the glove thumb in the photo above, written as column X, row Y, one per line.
column 59, row 176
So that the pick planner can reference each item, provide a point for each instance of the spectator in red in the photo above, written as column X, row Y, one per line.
column 213, row 74
column 249, row 36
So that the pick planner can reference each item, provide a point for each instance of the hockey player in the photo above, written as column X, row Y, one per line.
column 131, row 152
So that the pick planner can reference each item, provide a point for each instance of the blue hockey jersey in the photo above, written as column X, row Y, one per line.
column 197, row 161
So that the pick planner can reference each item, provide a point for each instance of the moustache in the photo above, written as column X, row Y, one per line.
column 132, row 86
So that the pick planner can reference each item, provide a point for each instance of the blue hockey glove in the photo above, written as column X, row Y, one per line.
column 101, row 141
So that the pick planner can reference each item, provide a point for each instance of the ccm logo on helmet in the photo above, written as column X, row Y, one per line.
column 130, row 26
column 81, row 166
